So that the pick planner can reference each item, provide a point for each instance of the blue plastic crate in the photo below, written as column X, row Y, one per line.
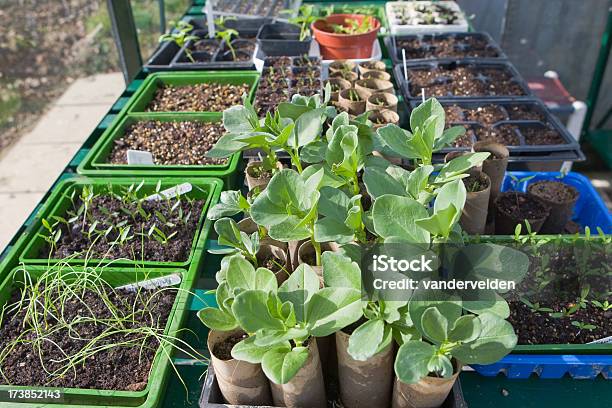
column 590, row 210
column 522, row 366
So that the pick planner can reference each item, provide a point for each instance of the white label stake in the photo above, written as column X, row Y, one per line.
column 139, row 157
column 171, row 192
column 605, row 340
column 405, row 67
column 161, row 282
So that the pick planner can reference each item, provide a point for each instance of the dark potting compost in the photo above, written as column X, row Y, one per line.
column 223, row 350
column 123, row 368
column 446, row 46
column 170, row 143
column 207, row 97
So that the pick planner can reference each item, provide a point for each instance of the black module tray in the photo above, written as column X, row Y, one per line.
column 522, row 119
column 478, row 70
column 211, row 395
column 425, row 47
column 253, row 8
column 169, row 56
column 286, row 85
column 218, row 57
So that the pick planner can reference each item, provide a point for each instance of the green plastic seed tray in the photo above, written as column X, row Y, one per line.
column 161, row 368
column 141, row 98
column 208, row 189
column 96, row 161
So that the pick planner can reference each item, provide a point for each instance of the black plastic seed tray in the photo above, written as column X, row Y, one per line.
column 427, row 49
column 254, row 8
column 211, row 395
column 525, row 121
column 221, row 58
column 477, row 70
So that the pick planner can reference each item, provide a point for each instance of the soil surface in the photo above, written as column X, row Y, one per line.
column 554, row 191
column 521, row 206
column 207, row 97
column 169, row 142
column 110, row 211
column 459, row 80
column 118, row 368
column 487, row 115
column 503, row 134
column 475, row 183
column 537, row 135
column 223, row 350
column 525, row 112
column 458, row 46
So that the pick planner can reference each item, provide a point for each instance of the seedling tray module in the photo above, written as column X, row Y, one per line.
column 461, row 80
column 251, row 8
column 413, row 17
column 443, row 46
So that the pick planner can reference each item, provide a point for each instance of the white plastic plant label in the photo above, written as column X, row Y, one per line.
column 171, row 192
column 155, row 283
column 605, row 340
column 139, row 157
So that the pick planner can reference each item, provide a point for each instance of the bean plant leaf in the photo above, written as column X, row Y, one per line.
column 398, row 140
column 299, row 288
column 281, row 365
column 496, row 339
column 427, row 110
column 395, row 216
column 435, row 325
column 366, row 339
column 448, row 137
column 457, row 167
column 412, row 361
column 331, row 309
column 217, row 319
column 466, row 329
column 250, row 352
column 339, row 271
column 251, row 310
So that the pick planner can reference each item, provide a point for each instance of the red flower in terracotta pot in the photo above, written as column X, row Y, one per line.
column 346, row 36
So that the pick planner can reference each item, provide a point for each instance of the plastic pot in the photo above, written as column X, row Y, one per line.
column 474, row 217
column 346, row 100
column 429, row 392
column 306, row 389
column 382, row 118
column 280, row 38
column 240, row 382
column 383, row 75
column 341, row 83
column 364, row 384
column 370, row 86
column 382, row 101
column 344, row 46
column 506, row 219
column 561, row 203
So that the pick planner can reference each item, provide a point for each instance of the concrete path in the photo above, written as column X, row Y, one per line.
column 32, row 164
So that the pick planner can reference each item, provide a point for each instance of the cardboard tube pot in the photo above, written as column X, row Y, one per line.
column 510, row 208
column 384, row 117
column 353, row 101
column 474, row 217
column 306, row 389
column 385, row 76
column 241, row 383
column 342, row 65
column 350, row 76
column 281, row 266
column 340, row 83
column 344, row 46
column 366, row 66
column 495, row 166
column 364, row 384
column 370, row 86
column 430, row 392
column 306, row 254
column 254, row 179
column 561, row 198
column 382, row 101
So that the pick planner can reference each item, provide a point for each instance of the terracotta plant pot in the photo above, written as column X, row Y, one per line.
column 561, row 198
column 513, row 207
column 474, row 217
column 370, row 86
column 364, row 384
column 430, row 392
column 347, row 102
column 241, row 383
column 306, row 389
column 258, row 180
column 382, row 101
column 281, row 265
column 340, row 83
column 342, row 66
column 384, row 117
column 350, row 76
column 385, row 76
column 367, row 66
column 344, row 46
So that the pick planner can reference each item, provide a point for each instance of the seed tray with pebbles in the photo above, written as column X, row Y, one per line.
column 192, row 92
column 443, row 46
column 119, row 219
column 282, row 77
column 522, row 126
column 461, row 80
column 250, row 8
column 413, row 17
